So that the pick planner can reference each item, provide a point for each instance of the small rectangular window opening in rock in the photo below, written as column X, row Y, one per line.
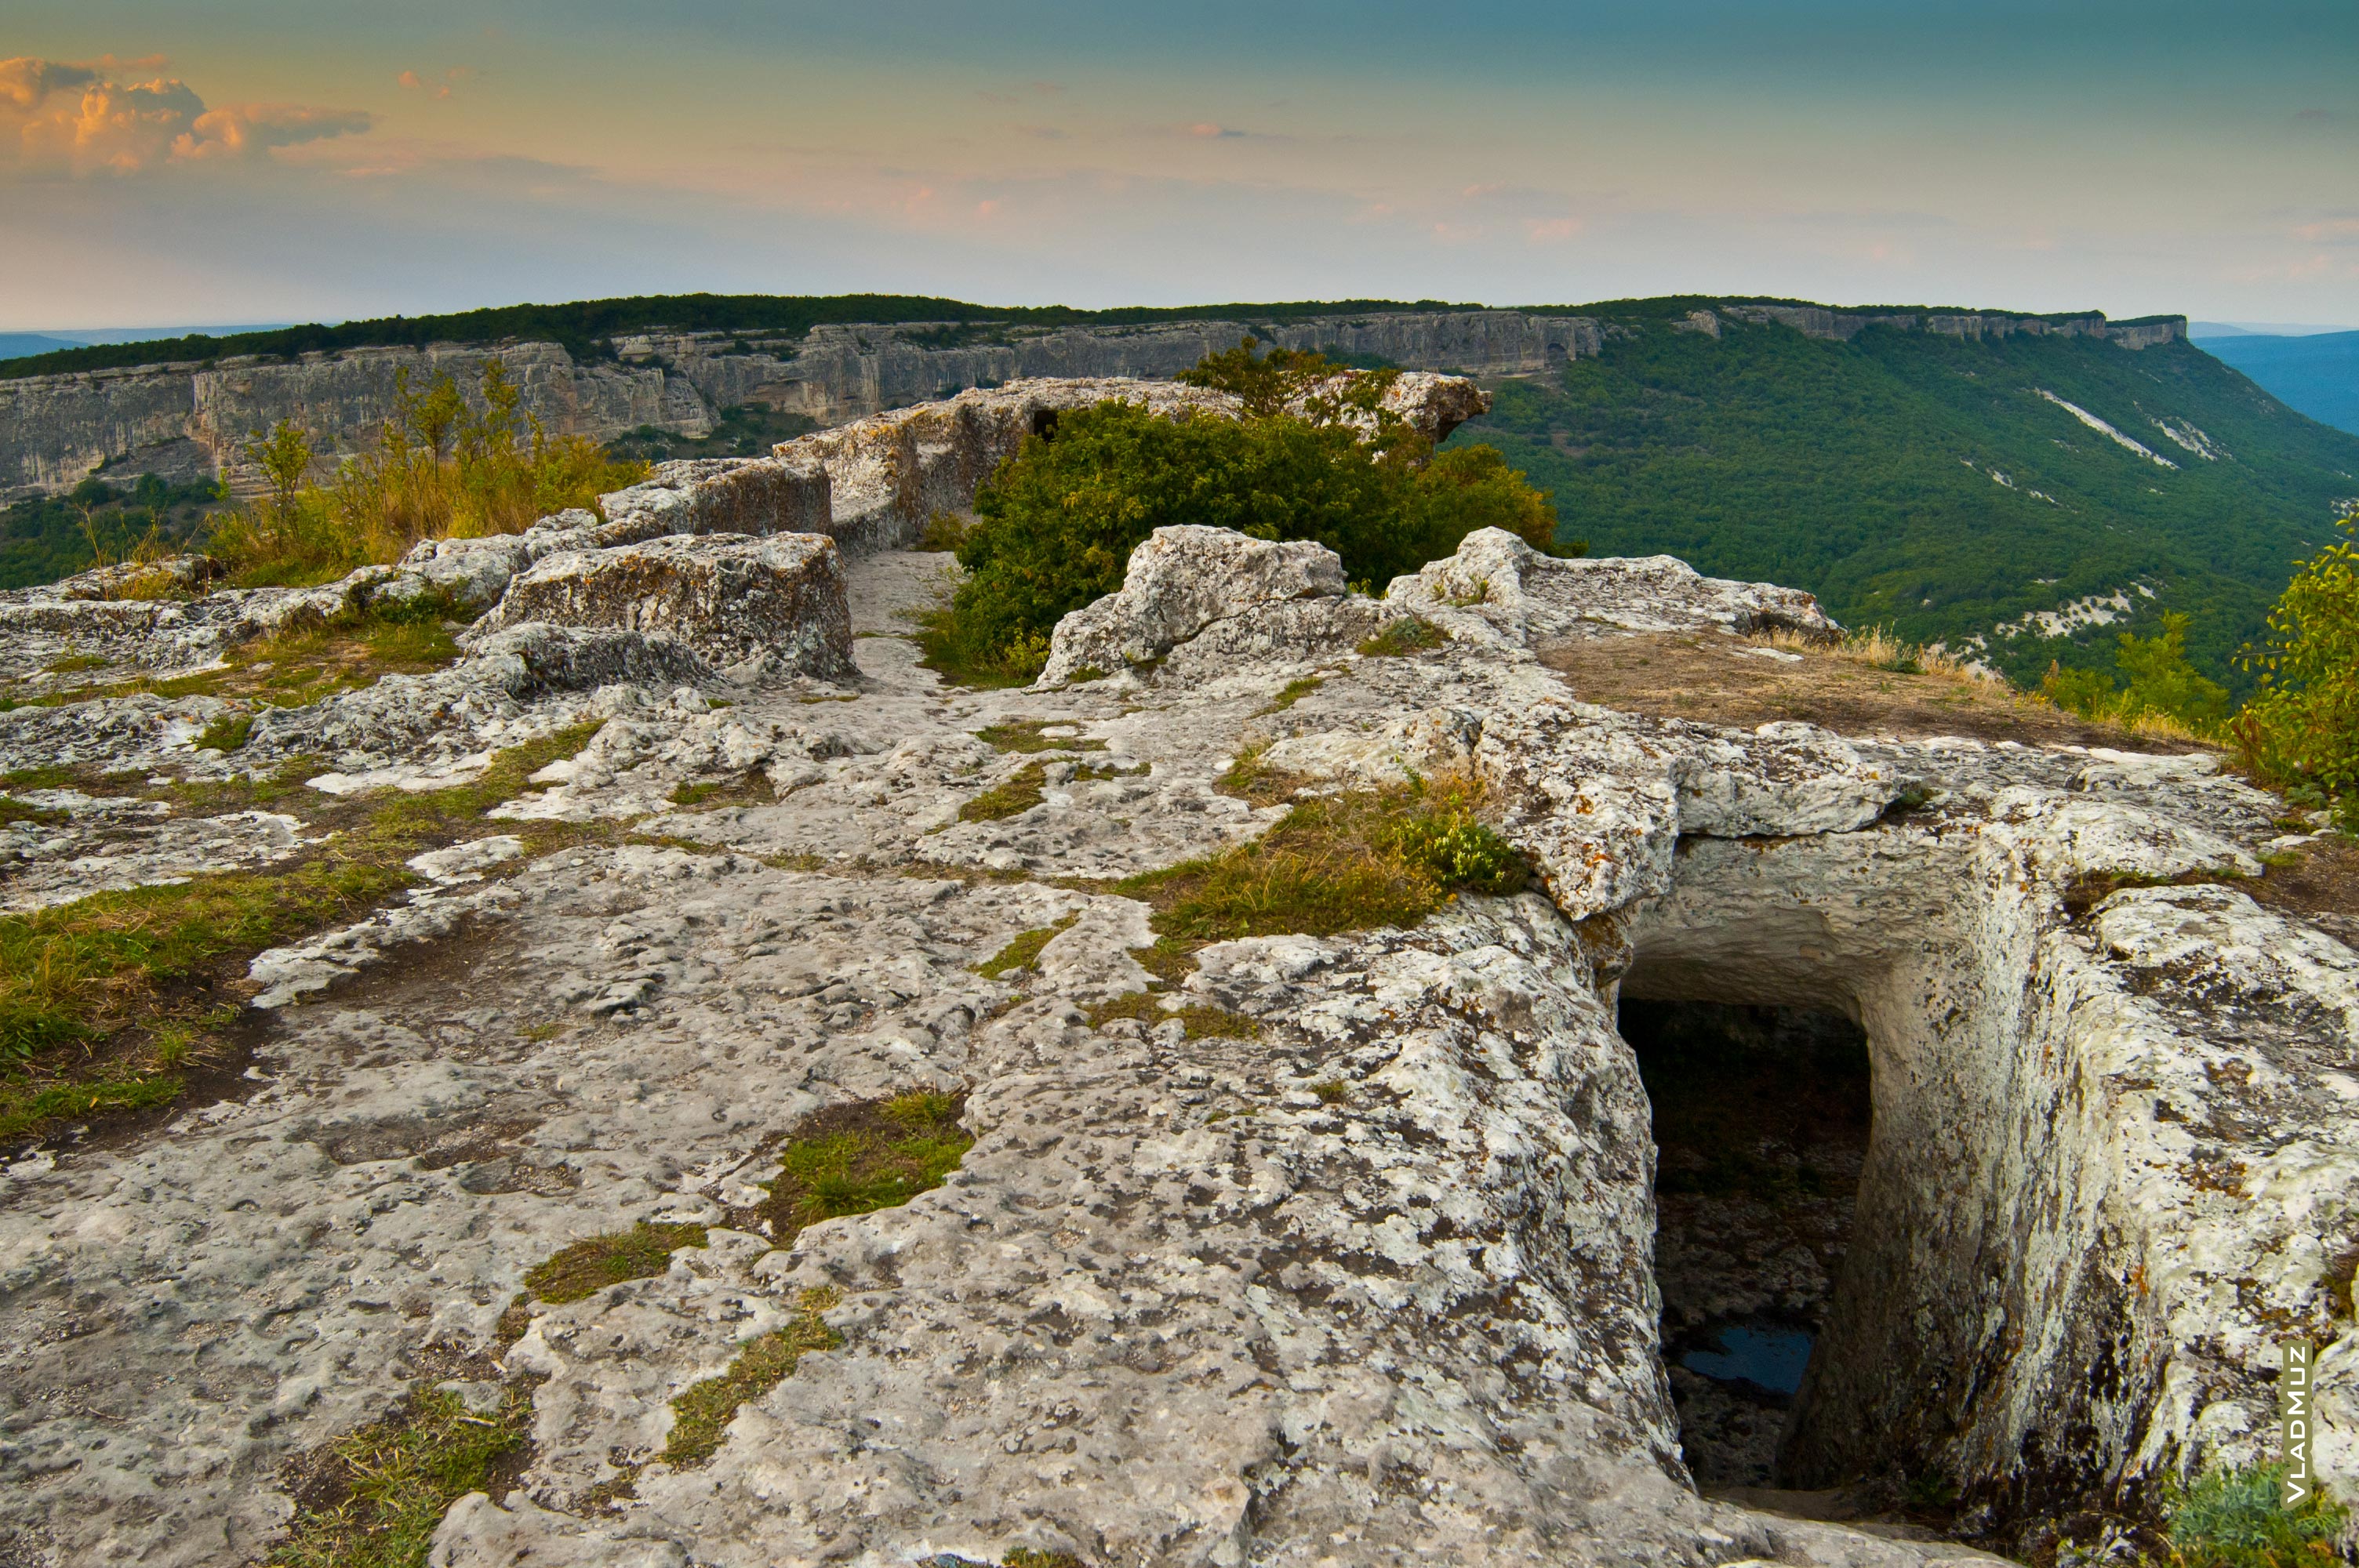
column 1761, row 1120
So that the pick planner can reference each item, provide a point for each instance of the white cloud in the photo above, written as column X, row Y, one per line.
column 61, row 118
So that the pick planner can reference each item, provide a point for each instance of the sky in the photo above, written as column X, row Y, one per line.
column 251, row 160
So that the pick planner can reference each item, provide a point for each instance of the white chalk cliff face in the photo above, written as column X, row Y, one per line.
column 1373, row 1285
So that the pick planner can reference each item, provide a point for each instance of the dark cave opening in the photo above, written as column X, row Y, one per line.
column 1761, row 1122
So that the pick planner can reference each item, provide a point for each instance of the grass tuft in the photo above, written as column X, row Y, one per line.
column 702, row 1412
column 1345, row 862
column 1414, row 635
column 1292, row 692
column 1021, row 953
column 588, row 1267
column 393, row 1481
column 2231, row 1518
column 18, row 811
column 751, row 788
column 226, row 734
column 1201, row 1020
column 865, row 1156
column 1025, row 735
column 1011, row 798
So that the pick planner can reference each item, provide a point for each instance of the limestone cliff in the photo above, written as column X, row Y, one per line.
column 187, row 419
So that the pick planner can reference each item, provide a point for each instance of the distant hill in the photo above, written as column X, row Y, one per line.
column 1949, row 487
column 20, row 345
column 16, row 345
column 586, row 329
column 2199, row 330
column 2317, row 372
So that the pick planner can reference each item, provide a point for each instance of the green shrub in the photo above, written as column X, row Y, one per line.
column 1263, row 383
column 2300, row 730
column 1457, row 849
column 1414, row 635
column 2231, row 1518
column 443, row 467
column 2158, row 682
column 1055, row 524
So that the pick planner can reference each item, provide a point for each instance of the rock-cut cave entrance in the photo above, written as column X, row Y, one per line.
column 1761, row 1121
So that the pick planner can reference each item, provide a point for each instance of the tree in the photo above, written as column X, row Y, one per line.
column 1265, row 384
column 427, row 417
column 2157, row 681
column 284, row 456
column 2300, row 730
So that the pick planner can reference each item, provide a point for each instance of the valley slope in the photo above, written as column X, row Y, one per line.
column 1951, row 487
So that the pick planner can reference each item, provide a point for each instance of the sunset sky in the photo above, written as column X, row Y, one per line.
column 249, row 161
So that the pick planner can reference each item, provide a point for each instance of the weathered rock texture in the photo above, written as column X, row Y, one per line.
column 186, row 420
column 726, row 495
column 1372, row 1285
column 1183, row 581
column 726, row 595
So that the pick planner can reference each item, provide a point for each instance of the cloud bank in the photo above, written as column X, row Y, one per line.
column 64, row 119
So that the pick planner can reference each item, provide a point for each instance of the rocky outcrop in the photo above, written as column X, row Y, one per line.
column 839, row 373
column 1341, row 1251
column 1508, row 588
column 1181, row 582
column 725, row 495
column 893, row 472
column 728, row 597
column 1432, row 406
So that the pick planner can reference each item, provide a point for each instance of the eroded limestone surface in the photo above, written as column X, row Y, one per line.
column 1373, row 1284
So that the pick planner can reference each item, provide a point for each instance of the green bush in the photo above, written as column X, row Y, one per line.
column 2300, row 730
column 1265, row 383
column 2231, row 1518
column 2158, row 682
column 1055, row 524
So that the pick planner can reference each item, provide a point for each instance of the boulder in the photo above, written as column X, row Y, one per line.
column 173, row 577
column 730, row 597
column 726, row 495
column 472, row 572
column 1184, row 580
column 1429, row 403
column 1496, row 585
